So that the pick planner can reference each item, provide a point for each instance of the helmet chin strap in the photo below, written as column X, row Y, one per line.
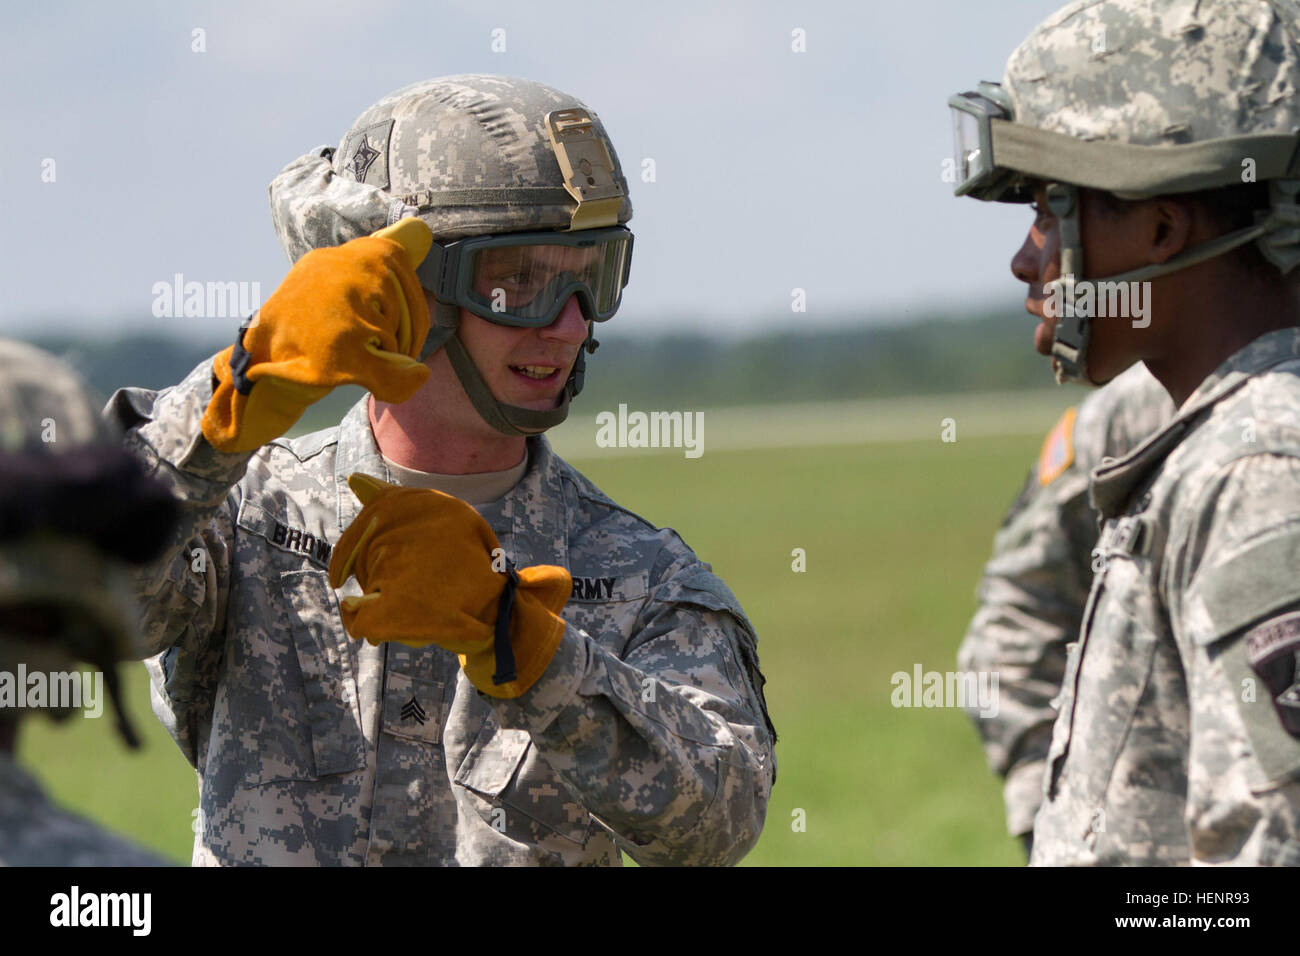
column 1277, row 232
column 513, row 420
column 1071, row 336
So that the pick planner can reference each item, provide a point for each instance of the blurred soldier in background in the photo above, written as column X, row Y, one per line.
column 1035, row 586
column 606, row 695
column 74, row 510
column 1157, row 142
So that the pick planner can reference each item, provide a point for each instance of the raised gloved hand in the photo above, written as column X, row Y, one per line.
column 424, row 562
column 348, row 315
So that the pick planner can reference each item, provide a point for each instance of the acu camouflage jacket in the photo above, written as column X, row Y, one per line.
column 1035, row 584
column 1178, row 738
column 648, row 732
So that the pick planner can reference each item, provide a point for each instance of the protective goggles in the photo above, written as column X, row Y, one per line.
column 976, row 172
column 524, row 279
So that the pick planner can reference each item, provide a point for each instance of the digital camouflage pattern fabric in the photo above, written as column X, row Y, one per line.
column 1035, row 585
column 469, row 154
column 1160, row 72
column 1176, row 740
column 648, row 732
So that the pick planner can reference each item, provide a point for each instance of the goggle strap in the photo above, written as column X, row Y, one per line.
column 1136, row 171
column 446, row 319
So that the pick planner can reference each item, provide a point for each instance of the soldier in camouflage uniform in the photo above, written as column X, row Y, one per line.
column 1035, row 585
column 645, row 730
column 1155, row 138
column 74, row 508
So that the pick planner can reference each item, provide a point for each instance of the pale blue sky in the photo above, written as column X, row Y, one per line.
column 775, row 169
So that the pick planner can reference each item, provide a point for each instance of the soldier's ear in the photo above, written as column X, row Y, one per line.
column 1169, row 225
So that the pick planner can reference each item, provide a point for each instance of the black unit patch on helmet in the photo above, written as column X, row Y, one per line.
column 365, row 154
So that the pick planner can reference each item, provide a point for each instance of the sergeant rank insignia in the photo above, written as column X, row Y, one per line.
column 412, row 710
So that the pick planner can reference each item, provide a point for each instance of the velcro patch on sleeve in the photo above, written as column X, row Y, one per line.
column 1260, row 667
column 1058, row 449
column 1273, row 652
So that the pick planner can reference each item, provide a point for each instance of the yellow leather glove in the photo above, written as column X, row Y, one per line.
column 424, row 562
column 348, row 315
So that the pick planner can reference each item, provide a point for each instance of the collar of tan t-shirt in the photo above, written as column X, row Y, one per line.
column 476, row 490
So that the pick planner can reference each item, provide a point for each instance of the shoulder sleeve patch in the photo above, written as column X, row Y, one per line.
column 1058, row 449
column 1255, row 581
column 1263, row 670
column 1273, row 652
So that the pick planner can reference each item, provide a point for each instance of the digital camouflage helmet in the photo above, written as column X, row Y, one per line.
column 503, row 171
column 1141, row 98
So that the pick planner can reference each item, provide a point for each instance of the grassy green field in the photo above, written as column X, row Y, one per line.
column 895, row 532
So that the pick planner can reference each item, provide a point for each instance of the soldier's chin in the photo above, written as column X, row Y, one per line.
column 1100, row 373
column 1043, row 335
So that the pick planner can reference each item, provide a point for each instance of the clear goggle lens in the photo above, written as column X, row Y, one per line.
column 972, row 138
column 530, row 284
column 969, row 157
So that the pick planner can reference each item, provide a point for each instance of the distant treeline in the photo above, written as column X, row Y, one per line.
column 987, row 352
